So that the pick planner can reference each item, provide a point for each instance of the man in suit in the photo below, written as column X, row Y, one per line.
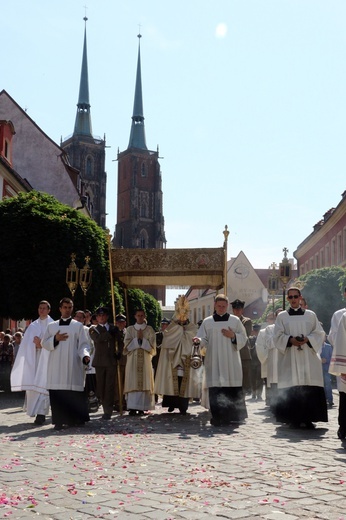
column 245, row 355
column 104, row 336
column 120, row 321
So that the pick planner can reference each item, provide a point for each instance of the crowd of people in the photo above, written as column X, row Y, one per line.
column 82, row 362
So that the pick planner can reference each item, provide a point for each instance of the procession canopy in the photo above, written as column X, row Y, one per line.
column 199, row 268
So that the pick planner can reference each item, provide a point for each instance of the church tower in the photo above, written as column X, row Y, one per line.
column 140, row 222
column 87, row 152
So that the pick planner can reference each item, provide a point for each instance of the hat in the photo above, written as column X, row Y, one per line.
column 238, row 304
column 165, row 320
column 120, row 317
column 102, row 310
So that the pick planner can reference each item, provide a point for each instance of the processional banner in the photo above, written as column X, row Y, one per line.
column 199, row 268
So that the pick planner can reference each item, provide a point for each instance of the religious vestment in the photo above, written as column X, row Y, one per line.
column 338, row 367
column 223, row 368
column 139, row 377
column 300, row 396
column 245, row 356
column 268, row 356
column 175, row 379
column 334, row 324
column 29, row 371
column 66, row 373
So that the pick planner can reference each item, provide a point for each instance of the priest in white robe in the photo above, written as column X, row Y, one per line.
column 69, row 352
column 139, row 347
column 29, row 371
column 338, row 368
column 223, row 335
column 175, row 379
column 298, row 336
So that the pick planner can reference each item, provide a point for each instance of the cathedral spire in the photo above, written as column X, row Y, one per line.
column 83, row 119
column 137, row 136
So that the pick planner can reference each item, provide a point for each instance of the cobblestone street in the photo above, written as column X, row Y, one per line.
column 166, row 466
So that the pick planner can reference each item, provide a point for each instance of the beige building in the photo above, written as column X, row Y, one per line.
column 242, row 283
column 37, row 159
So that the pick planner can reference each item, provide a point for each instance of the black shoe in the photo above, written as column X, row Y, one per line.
column 309, row 425
column 182, row 412
column 215, row 422
column 40, row 419
column 132, row 412
column 171, row 409
column 341, row 433
column 58, row 427
column 140, row 412
column 106, row 416
column 294, row 426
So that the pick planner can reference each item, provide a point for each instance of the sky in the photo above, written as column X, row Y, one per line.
column 246, row 100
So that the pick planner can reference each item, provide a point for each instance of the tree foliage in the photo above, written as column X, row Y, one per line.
column 138, row 299
column 38, row 234
column 322, row 291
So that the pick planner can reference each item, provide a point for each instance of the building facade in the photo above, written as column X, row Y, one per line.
column 87, row 152
column 244, row 282
column 11, row 183
column 326, row 245
column 140, row 222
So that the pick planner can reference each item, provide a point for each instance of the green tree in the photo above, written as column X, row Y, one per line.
column 38, row 234
column 138, row 299
column 322, row 292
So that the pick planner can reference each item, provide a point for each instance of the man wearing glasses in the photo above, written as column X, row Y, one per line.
column 298, row 336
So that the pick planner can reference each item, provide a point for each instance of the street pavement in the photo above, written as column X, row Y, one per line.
column 165, row 466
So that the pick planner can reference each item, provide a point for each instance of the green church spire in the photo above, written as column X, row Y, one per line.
column 83, row 119
column 137, row 136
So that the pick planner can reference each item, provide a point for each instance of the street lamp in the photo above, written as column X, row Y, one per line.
column 284, row 274
column 72, row 273
column 81, row 276
column 85, row 276
column 273, row 283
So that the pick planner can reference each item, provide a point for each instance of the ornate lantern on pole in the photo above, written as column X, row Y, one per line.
column 284, row 274
column 85, row 276
column 72, row 273
column 273, row 283
column 225, row 234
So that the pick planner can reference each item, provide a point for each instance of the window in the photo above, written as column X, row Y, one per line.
column 7, row 150
column 326, row 255
column 143, row 239
column 338, row 249
column 144, row 170
column 144, row 204
column 333, row 252
column 89, row 166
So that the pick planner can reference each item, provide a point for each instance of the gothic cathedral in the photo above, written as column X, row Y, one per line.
column 87, row 152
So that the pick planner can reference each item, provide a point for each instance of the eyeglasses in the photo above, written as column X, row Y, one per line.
column 295, row 296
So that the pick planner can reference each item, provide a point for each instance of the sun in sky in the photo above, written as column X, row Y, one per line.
column 221, row 30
